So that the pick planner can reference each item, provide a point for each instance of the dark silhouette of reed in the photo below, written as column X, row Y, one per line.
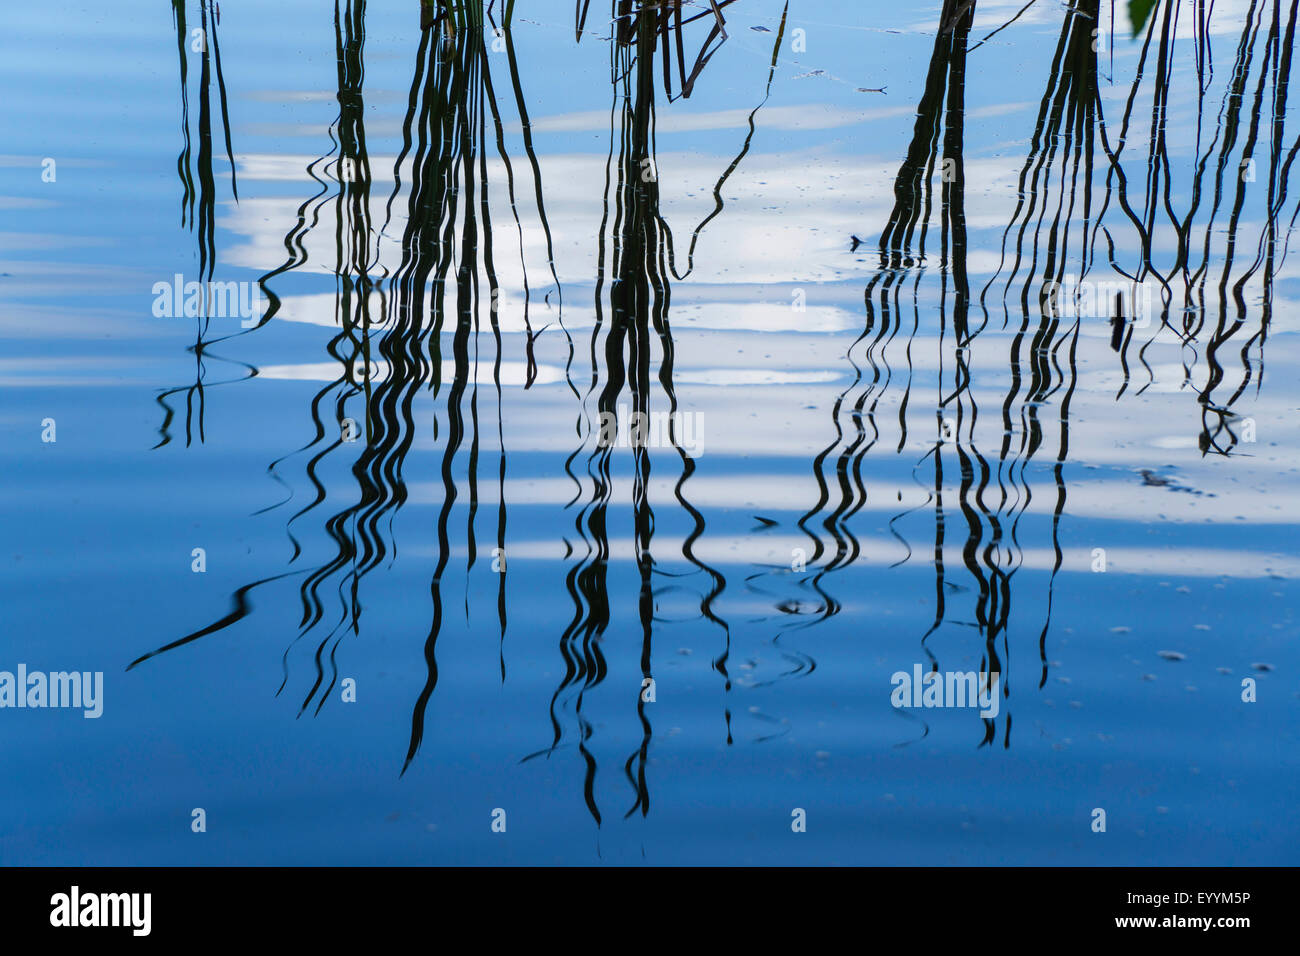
column 1073, row 222
column 1097, row 199
column 633, row 292
column 388, row 344
column 199, row 198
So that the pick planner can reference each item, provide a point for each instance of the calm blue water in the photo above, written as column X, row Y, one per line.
column 891, row 447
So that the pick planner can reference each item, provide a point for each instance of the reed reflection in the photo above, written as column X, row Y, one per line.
column 389, row 346
column 1059, row 239
column 1246, row 155
column 992, row 491
column 636, row 267
column 1090, row 206
column 199, row 199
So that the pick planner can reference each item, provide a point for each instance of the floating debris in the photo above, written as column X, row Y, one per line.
column 1262, row 667
column 1172, row 655
column 1152, row 480
column 793, row 606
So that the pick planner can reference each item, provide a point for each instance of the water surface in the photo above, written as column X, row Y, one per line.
column 842, row 267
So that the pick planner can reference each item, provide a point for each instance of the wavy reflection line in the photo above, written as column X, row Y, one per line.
column 207, row 44
column 635, row 250
column 390, row 365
